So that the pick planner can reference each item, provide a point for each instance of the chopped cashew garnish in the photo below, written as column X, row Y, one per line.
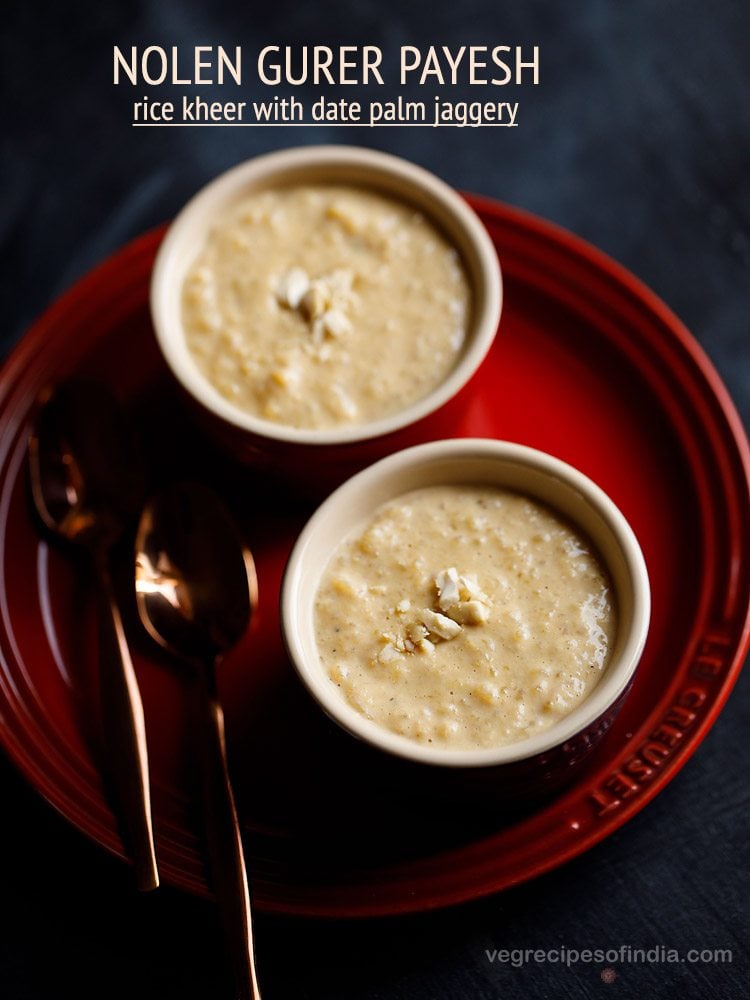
column 470, row 591
column 335, row 323
column 470, row 613
column 417, row 632
column 292, row 287
column 388, row 653
column 447, row 585
column 461, row 602
column 320, row 301
column 461, row 598
column 316, row 300
column 440, row 625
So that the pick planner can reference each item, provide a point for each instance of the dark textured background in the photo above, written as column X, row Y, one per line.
column 638, row 138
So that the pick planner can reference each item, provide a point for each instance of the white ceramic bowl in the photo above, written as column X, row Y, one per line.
column 315, row 164
column 475, row 461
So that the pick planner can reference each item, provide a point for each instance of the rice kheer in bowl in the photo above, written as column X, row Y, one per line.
column 465, row 616
column 322, row 305
column 468, row 603
column 316, row 302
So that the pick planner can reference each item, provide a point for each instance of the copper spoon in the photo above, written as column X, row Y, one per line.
column 196, row 590
column 87, row 484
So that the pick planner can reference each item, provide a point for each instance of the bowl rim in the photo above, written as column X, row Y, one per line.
column 613, row 683
column 487, row 275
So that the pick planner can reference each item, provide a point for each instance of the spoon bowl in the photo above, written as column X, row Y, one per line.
column 85, row 469
column 195, row 580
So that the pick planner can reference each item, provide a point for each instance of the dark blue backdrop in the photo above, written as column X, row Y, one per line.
column 638, row 138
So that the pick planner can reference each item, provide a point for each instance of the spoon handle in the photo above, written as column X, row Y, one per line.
column 226, row 857
column 125, row 734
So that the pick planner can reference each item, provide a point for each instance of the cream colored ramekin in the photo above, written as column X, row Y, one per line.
column 247, row 435
column 486, row 462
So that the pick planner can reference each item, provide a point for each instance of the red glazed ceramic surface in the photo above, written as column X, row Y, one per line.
column 588, row 366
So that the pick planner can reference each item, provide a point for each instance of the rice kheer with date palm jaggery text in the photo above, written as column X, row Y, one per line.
column 465, row 616
column 316, row 306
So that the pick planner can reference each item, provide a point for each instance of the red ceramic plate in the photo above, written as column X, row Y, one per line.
column 589, row 366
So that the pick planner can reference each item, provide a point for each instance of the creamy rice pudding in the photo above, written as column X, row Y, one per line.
column 465, row 616
column 317, row 306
